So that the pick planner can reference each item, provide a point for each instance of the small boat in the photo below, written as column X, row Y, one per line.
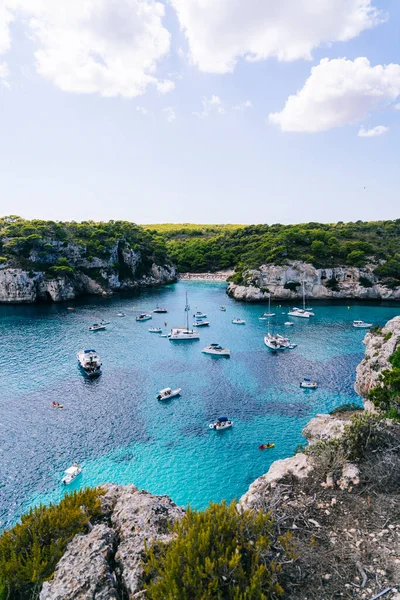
column 71, row 473
column 266, row 446
column 361, row 325
column 276, row 342
column 300, row 312
column 184, row 333
column 269, row 313
column 90, row 362
column 159, row 310
column 155, row 329
column 216, row 350
column 221, row 423
column 292, row 346
column 164, row 335
column 238, row 322
column 223, row 308
column 200, row 315
column 97, row 327
column 56, row 405
column 201, row 324
column 308, row 384
column 70, row 308
column 143, row 317
column 120, row 314
column 288, row 323
column 104, row 322
column 168, row 393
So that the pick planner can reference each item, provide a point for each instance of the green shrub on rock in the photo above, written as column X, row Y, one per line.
column 219, row 553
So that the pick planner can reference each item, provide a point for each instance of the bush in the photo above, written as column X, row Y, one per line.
column 348, row 407
column 365, row 282
column 30, row 550
column 387, row 336
column 332, row 284
column 218, row 553
column 292, row 286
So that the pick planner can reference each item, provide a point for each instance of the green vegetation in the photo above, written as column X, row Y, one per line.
column 30, row 550
column 386, row 396
column 348, row 407
column 219, row 553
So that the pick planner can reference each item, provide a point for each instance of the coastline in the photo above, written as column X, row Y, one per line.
column 220, row 276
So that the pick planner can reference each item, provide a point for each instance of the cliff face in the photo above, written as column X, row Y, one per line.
column 336, row 283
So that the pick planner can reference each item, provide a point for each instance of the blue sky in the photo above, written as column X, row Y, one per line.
column 153, row 112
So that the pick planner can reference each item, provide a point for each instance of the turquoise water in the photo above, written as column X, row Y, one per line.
column 115, row 426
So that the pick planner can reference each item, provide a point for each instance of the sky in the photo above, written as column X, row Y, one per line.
column 202, row 111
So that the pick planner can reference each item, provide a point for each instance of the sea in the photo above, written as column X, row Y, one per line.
column 119, row 432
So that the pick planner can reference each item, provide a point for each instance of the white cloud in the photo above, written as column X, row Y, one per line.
column 243, row 105
column 3, row 70
column 5, row 20
column 96, row 46
column 169, row 113
column 214, row 104
column 220, row 32
column 397, row 106
column 142, row 110
column 374, row 132
column 166, row 86
column 338, row 92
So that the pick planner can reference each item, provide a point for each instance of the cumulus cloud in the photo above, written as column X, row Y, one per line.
column 374, row 132
column 96, row 46
column 3, row 70
column 220, row 32
column 5, row 20
column 169, row 113
column 213, row 104
column 243, row 105
column 338, row 92
column 166, row 86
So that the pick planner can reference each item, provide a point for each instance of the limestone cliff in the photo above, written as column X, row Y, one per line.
column 285, row 283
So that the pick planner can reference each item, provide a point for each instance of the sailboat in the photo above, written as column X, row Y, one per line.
column 301, row 312
column 268, row 314
column 276, row 342
column 184, row 333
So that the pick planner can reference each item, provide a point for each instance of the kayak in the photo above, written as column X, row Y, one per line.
column 265, row 446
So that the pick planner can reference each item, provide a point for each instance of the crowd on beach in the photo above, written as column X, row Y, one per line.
column 218, row 276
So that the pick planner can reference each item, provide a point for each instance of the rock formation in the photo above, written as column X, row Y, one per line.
column 285, row 283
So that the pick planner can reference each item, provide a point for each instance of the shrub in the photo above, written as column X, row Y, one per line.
column 365, row 282
column 218, row 553
column 30, row 550
column 387, row 336
column 348, row 407
column 236, row 278
column 394, row 359
column 376, row 330
column 332, row 284
column 292, row 286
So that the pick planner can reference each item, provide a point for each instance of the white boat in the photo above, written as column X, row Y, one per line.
column 221, row 424
column 308, row 384
column 276, row 342
column 104, row 322
column 184, row 333
column 361, row 325
column 223, row 308
column 301, row 312
column 71, row 473
column 200, row 315
column 201, row 324
column 155, row 329
column 288, row 323
column 143, row 317
column 164, row 335
column 120, row 314
column 216, row 350
column 168, row 393
column 90, row 362
column 97, row 327
column 238, row 322
column 269, row 313
column 159, row 310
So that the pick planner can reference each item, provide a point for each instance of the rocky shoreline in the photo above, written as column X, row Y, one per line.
column 286, row 282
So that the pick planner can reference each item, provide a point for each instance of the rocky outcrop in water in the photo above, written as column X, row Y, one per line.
column 106, row 563
column 285, row 283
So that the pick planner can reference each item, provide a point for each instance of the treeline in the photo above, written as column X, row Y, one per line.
column 209, row 247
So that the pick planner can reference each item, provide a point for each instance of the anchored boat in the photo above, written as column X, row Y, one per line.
column 216, row 350
column 168, row 393
column 308, row 384
column 90, row 362
column 97, row 327
column 71, row 473
column 221, row 424
column 184, row 333
column 361, row 325
column 143, row 317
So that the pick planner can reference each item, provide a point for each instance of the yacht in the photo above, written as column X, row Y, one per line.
column 201, row 324
column 184, row 333
column 97, row 327
column 120, row 314
column 200, row 315
column 361, row 325
column 104, row 322
column 159, row 310
column 143, row 317
column 238, row 322
column 155, row 329
column 277, row 342
column 301, row 312
column 71, row 473
column 308, row 384
column 168, row 393
column 269, row 313
column 216, row 350
column 221, row 423
column 288, row 323
column 90, row 362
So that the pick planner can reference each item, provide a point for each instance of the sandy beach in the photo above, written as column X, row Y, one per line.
column 217, row 276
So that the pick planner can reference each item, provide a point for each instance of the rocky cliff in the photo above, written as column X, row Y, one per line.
column 285, row 283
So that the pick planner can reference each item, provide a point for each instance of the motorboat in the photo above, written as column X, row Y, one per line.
column 223, row 308
column 200, row 315
column 120, row 314
column 238, row 322
column 70, row 308
column 266, row 446
column 308, row 384
column 97, row 327
column 168, row 393
column 201, row 324
column 216, row 350
column 288, row 323
column 304, row 312
column 143, row 317
column 155, row 329
column 55, row 404
column 221, row 424
column 159, row 310
column 184, row 333
column 276, row 342
column 361, row 325
column 104, row 322
column 90, row 362
column 164, row 335
column 71, row 473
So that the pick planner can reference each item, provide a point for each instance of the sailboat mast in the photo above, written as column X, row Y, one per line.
column 187, row 312
column 304, row 296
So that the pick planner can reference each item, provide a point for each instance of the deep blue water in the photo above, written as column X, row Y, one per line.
column 119, row 431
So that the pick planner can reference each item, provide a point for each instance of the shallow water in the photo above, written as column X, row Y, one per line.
column 115, row 426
